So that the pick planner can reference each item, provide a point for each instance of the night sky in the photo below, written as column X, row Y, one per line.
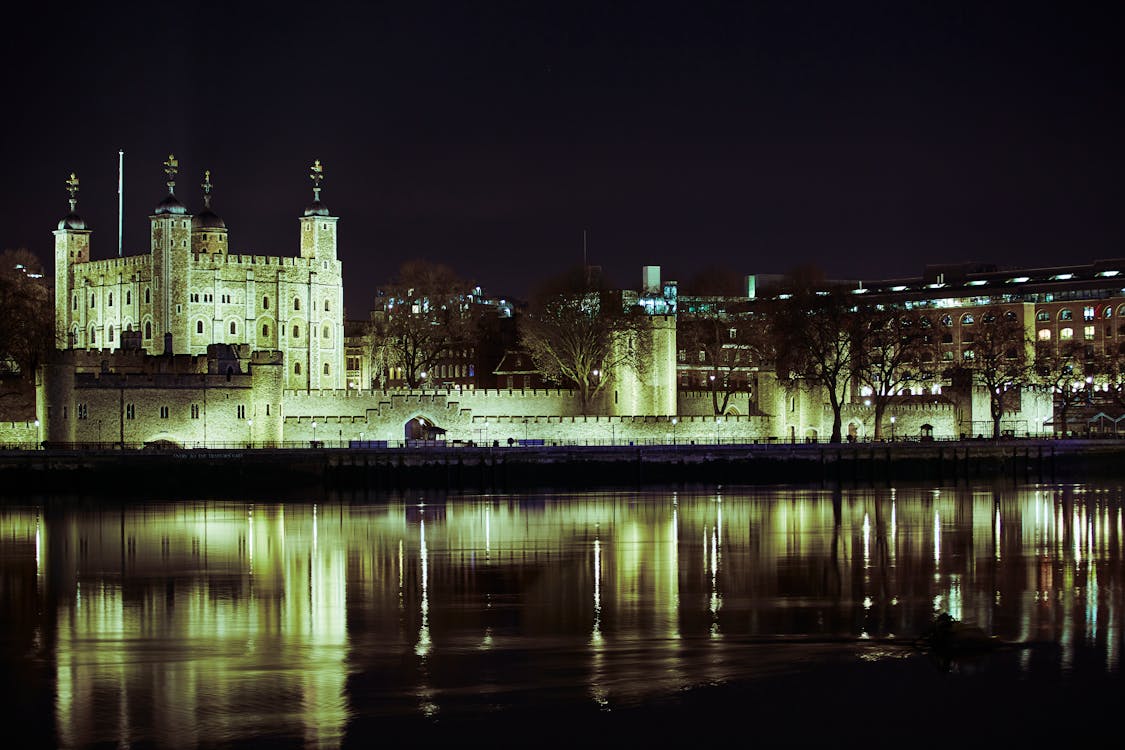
column 867, row 138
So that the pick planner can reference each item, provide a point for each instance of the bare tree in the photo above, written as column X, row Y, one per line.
column 26, row 307
column 578, row 333
column 419, row 320
column 730, row 342
column 813, row 337
column 999, row 361
column 889, row 355
column 1060, row 369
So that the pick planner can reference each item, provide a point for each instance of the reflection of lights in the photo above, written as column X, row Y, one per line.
column 996, row 539
column 867, row 602
column 597, row 635
column 423, row 646
column 937, row 537
column 866, row 541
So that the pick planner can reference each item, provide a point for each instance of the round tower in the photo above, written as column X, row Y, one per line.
column 171, row 236
column 208, row 230
column 72, row 246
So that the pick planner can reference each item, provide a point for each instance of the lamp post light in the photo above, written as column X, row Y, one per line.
column 674, row 420
column 718, row 421
column 314, row 434
column 39, row 443
column 892, row 429
column 249, row 432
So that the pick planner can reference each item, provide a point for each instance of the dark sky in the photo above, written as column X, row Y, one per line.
column 867, row 138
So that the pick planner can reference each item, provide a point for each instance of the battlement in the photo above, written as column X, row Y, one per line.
column 178, row 380
column 213, row 260
column 108, row 265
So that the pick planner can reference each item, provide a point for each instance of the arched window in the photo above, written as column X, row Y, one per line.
column 233, row 328
column 148, row 296
column 1066, row 334
column 296, row 368
column 265, row 303
column 265, row 329
column 148, row 330
column 1108, row 313
column 325, row 305
column 1042, row 316
column 128, row 297
column 1044, row 334
column 1009, row 315
column 967, row 319
column 93, row 335
column 947, row 320
column 296, row 331
column 109, row 338
column 199, row 326
column 110, row 303
column 325, row 332
column 76, row 302
column 325, row 368
column 296, row 303
column 91, row 300
column 1066, row 315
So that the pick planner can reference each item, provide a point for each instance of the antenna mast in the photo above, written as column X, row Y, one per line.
column 120, row 197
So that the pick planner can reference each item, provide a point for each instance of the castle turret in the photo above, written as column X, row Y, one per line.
column 318, row 227
column 72, row 246
column 208, row 231
column 171, row 236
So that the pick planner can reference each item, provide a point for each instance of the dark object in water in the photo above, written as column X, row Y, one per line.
column 947, row 639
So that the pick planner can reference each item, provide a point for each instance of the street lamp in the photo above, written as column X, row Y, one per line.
column 249, row 432
column 718, row 421
column 892, row 429
column 674, row 420
column 314, row 435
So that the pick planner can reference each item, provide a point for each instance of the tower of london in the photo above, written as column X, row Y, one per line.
column 189, row 291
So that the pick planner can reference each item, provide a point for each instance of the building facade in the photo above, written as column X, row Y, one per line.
column 189, row 292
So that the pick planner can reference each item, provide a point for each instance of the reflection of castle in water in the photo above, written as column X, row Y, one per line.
column 211, row 619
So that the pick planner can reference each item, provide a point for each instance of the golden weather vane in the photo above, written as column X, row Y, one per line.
column 206, row 188
column 171, row 167
column 316, row 174
column 72, row 188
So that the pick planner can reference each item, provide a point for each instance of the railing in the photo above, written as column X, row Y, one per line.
column 523, row 444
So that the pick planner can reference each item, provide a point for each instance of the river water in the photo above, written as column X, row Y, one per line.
column 785, row 615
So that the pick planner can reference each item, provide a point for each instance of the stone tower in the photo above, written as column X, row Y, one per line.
column 325, row 301
column 72, row 246
column 171, row 237
column 208, row 231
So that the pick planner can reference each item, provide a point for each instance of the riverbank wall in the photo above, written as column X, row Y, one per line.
column 478, row 469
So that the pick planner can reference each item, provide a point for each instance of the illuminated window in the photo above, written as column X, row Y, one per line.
column 1088, row 333
column 967, row 319
column 1065, row 314
column 947, row 320
column 1045, row 334
column 1108, row 312
column 968, row 355
column 1088, row 312
column 1066, row 334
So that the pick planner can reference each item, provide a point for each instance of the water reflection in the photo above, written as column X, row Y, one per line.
column 206, row 622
